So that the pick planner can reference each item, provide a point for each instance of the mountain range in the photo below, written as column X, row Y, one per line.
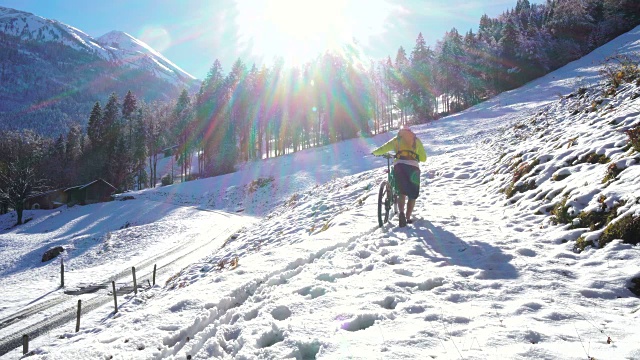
column 51, row 73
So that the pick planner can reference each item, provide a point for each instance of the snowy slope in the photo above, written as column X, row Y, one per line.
column 477, row 276
column 124, row 48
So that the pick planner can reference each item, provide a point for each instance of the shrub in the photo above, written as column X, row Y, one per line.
column 582, row 244
column 620, row 69
column 612, row 173
column 560, row 176
column 166, row 180
column 513, row 189
column 561, row 212
column 594, row 158
column 634, row 138
column 259, row 183
column 627, row 229
column 524, row 169
column 595, row 220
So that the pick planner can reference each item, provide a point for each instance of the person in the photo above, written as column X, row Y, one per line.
column 409, row 152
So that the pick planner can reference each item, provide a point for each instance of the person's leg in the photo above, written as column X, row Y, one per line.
column 401, row 201
column 410, row 204
column 402, row 220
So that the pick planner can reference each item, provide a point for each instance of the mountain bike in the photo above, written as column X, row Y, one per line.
column 388, row 194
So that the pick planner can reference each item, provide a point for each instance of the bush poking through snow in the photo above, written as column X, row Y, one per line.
column 627, row 229
column 620, row 69
column 612, row 173
column 561, row 212
column 259, row 183
column 166, row 180
column 593, row 158
column 595, row 220
column 634, row 138
column 582, row 244
column 513, row 189
column 522, row 170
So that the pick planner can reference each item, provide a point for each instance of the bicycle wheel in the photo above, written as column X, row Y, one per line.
column 393, row 192
column 384, row 203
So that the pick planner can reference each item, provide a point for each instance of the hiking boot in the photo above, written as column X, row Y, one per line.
column 403, row 220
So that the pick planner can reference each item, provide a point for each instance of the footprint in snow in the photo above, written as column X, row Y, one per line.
column 403, row 272
column 526, row 252
column 312, row 292
column 270, row 338
column 281, row 313
column 390, row 302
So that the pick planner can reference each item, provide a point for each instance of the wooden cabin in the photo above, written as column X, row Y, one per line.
column 91, row 193
column 46, row 200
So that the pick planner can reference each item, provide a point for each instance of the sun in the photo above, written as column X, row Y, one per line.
column 296, row 30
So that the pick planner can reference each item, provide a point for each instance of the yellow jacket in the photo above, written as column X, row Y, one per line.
column 392, row 144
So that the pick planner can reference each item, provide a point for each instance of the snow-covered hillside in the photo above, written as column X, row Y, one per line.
column 498, row 263
column 115, row 46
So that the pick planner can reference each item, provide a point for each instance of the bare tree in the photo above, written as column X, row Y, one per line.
column 19, row 176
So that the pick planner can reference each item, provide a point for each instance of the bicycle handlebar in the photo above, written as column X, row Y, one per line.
column 387, row 156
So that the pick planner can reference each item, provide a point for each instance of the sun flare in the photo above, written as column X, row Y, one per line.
column 296, row 30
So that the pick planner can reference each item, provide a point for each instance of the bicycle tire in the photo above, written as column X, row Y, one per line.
column 383, row 203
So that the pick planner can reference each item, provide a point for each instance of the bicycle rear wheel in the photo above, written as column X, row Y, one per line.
column 384, row 203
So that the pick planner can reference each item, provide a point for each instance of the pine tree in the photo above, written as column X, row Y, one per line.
column 182, row 113
column 96, row 130
column 421, row 94
column 111, row 122
column 129, row 106
column 73, row 152
column 208, row 115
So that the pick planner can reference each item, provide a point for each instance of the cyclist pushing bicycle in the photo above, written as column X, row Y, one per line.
column 406, row 170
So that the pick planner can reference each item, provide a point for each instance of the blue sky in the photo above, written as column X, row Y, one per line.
column 193, row 33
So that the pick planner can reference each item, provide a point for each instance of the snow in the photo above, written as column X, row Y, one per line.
column 129, row 45
column 476, row 276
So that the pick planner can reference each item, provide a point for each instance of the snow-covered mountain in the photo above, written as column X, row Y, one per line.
column 29, row 27
column 115, row 46
column 52, row 72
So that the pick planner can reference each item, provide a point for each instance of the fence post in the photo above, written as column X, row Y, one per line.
column 115, row 297
column 154, row 274
column 25, row 344
column 135, row 285
column 61, row 272
column 78, row 317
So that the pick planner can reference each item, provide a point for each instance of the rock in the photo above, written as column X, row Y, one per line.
column 52, row 253
column 635, row 286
